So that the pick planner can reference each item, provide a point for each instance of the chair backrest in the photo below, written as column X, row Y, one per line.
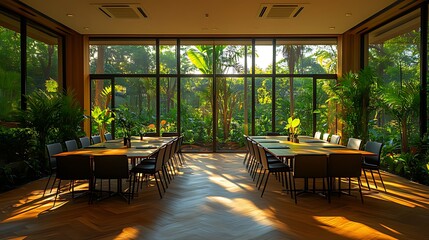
column 71, row 145
column 179, row 144
column 74, row 167
column 335, row 139
column 262, row 154
column 170, row 134
column 317, row 135
column 160, row 158
column 108, row 136
column 96, row 139
column 84, row 142
column 53, row 148
column 344, row 165
column 354, row 143
column 325, row 136
column 310, row 165
column 374, row 147
column 111, row 166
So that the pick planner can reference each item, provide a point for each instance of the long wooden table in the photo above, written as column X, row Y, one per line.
column 139, row 148
column 282, row 148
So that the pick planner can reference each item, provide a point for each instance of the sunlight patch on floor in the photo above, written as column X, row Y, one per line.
column 349, row 229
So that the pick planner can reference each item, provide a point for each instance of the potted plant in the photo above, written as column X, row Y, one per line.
column 292, row 127
column 127, row 120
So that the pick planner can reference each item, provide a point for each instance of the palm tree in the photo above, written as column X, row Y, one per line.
column 202, row 57
column 401, row 100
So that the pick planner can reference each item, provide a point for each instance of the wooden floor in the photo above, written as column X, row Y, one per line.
column 213, row 197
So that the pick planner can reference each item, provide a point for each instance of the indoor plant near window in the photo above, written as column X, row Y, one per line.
column 292, row 126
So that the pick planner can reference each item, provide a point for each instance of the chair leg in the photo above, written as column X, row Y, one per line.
column 46, row 186
column 360, row 189
column 262, row 180
column 379, row 174
column 366, row 178
column 265, row 185
column 58, row 191
column 157, row 184
column 373, row 179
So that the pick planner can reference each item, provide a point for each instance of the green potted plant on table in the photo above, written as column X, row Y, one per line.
column 292, row 126
column 127, row 120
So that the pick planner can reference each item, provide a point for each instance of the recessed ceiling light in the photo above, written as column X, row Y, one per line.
column 69, row 15
column 332, row 28
column 86, row 28
column 348, row 14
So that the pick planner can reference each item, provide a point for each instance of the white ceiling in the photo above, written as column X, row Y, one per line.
column 224, row 16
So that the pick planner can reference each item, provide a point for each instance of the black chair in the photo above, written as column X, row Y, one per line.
column 372, row 163
column 96, row 139
column 279, row 168
column 52, row 149
column 335, row 139
column 112, row 167
column 71, row 145
column 344, row 166
column 108, row 136
column 150, row 169
column 72, row 168
column 309, row 166
column 84, row 142
column 354, row 143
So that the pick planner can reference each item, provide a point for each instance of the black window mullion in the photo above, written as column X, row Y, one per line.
column 158, row 86
column 214, row 105
column 273, row 89
column 253, row 86
column 23, row 29
column 179, row 130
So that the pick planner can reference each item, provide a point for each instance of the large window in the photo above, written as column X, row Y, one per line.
column 42, row 60
column 215, row 90
column 10, row 67
column 394, row 54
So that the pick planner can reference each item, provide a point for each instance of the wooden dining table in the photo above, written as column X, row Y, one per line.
column 139, row 148
column 281, row 147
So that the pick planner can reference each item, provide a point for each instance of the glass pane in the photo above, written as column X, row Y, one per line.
column 325, row 112
column 196, row 59
column 42, row 61
column 231, row 111
column 263, row 110
column 168, row 57
column 10, row 67
column 138, row 95
column 133, row 59
column 394, row 54
column 168, row 105
column 264, row 57
column 196, row 114
column 303, row 104
column 230, row 59
column 282, row 104
column 306, row 56
column 101, row 106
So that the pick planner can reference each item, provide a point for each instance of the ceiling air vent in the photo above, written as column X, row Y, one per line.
column 123, row 11
column 280, row 10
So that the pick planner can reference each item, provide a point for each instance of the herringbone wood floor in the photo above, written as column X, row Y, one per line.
column 213, row 197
